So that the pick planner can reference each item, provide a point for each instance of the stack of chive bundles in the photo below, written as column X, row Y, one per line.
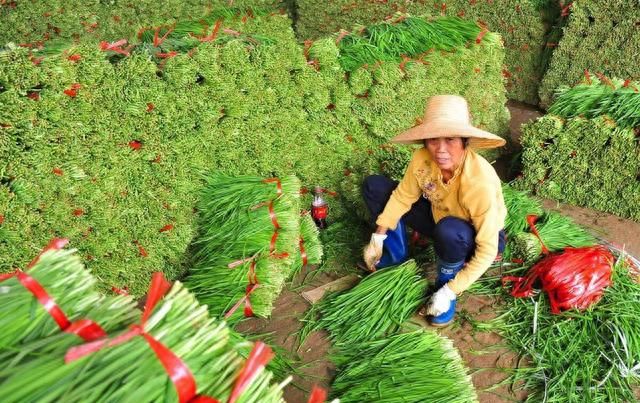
column 578, row 356
column 24, row 320
column 250, row 237
column 131, row 370
column 420, row 366
column 377, row 306
column 585, row 150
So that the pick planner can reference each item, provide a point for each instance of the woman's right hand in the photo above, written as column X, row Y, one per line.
column 373, row 251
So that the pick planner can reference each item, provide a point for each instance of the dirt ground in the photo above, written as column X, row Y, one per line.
column 482, row 352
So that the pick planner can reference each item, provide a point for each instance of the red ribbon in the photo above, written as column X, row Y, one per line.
column 259, row 356
column 115, row 46
column 272, row 244
column 481, row 35
column 157, row 40
column 272, row 215
column 303, row 252
column 278, row 184
column 87, row 329
column 251, row 287
column 44, row 298
column 121, row 291
column 178, row 372
column 531, row 219
column 318, row 395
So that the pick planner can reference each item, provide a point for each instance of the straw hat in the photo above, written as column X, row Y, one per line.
column 448, row 116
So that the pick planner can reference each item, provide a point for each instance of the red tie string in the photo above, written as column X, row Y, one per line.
column 278, row 184
column 87, row 329
column 272, row 214
column 272, row 244
column 251, row 287
column 531, row 219
column 318, row 395
column 248, row 309
column 259, row 356
column 178, row 372
column 303, row 252
column 115, row 46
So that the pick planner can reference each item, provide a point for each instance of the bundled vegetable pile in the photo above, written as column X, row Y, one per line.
column 250, row 231
column 420, row 366
column 592, row 355
column 585, row 152
column 600, row 36
column 375, row 307
column 524, row 25
column 45, row 23
column 126, row 199
column 251, row 241
column 175, row 341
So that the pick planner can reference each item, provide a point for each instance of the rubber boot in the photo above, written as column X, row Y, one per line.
column 395, row 249
column 446, row 272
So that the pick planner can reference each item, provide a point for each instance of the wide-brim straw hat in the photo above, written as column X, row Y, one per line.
column 448, row 116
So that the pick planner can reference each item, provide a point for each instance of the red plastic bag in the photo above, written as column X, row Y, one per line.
column 573, row 279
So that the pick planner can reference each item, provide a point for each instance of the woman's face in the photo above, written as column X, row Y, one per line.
column 447, row 152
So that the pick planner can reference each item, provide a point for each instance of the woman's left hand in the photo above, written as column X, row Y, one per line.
column 441, row 301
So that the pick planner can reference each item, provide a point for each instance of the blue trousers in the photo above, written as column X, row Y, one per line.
column 453, row 238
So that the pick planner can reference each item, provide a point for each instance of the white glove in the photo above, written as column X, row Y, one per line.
column 373, row 251
column 441, row 301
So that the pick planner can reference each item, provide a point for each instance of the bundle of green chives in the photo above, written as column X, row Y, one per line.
column 599, row 96
column 556, row 232
column 61, row 274
column 131, row 371
column 240, row 235
column 376, row 306
column 519, row 206
column 221, row 287
column 225, row 195
column 420, row 366
column 250, row 231
column 577, row 356
column 309, row 245
column 410, row 36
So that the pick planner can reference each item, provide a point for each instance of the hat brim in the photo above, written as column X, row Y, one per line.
column 478, row 138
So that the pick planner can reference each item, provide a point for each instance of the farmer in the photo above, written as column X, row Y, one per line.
column 461, row 209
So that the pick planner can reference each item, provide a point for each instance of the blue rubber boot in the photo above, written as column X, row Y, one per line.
column 395, row 249
column 446, row 271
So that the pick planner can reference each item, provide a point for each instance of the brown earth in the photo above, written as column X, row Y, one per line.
column 483, row 353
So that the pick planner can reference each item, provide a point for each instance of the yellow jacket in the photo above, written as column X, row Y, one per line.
column 474, row 194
